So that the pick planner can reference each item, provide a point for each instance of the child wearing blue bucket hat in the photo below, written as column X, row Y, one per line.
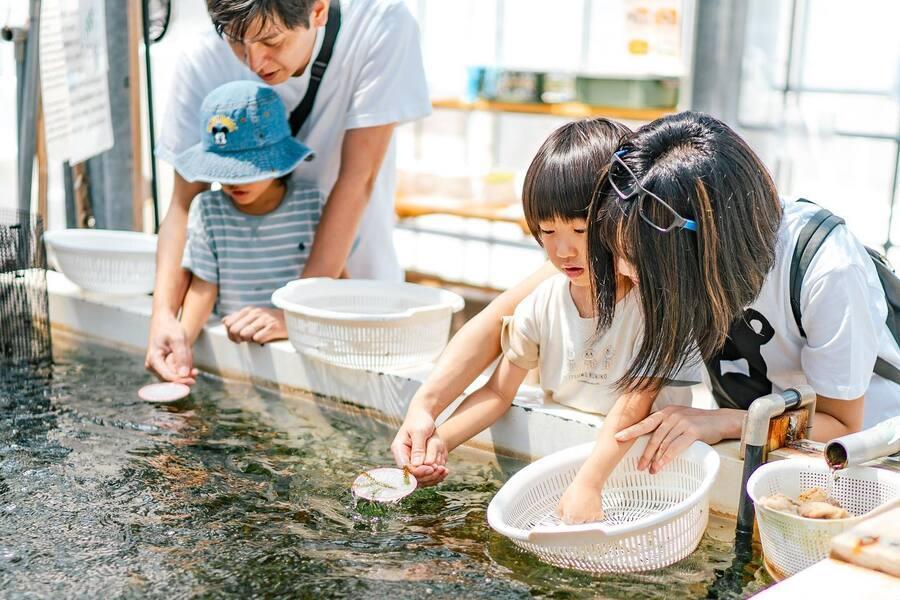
column 254, row 234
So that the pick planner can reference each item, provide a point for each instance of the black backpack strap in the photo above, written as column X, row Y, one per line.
column 886, row 370
column 811, row 238
column 303, row 110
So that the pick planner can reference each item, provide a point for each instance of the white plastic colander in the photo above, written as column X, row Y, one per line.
column 650, row 521
column 362, row 324
column 120, row 263
column 792, row 543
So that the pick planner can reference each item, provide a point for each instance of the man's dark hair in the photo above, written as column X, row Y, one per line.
column 234, row 17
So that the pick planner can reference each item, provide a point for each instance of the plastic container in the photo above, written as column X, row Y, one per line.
column 518, row 87
column 362, row 324
column 121, row 263
column 627, row 93
column 558, row 87
column 792, row 543
column 650, row 521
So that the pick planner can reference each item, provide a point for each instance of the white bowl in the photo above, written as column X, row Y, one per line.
column 119, row 263
column 363, row 324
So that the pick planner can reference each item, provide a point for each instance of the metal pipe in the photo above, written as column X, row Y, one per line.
column 150, row 118
column 730, row 582
column 894, row 179
column 27, row 118
column 69, row 190
column 19, row 37
column 753, row 458
column 754, row 438
column 863, row 446
column 755, row 430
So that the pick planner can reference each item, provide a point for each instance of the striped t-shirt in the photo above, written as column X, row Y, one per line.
column 251, row 256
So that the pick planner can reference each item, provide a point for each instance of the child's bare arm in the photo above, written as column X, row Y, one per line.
column 484, row 406
column 198, row 305
column 628, row 410
column 581, row 501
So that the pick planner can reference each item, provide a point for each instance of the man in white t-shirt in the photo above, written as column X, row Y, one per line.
column 374, row 80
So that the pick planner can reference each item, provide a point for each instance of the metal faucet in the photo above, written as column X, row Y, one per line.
column 755, row 430
column 869, row 444
column 754, row 438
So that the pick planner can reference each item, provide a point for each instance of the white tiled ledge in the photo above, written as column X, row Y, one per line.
column 523, row 432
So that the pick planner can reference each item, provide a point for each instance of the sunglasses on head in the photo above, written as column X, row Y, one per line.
column 668, row 219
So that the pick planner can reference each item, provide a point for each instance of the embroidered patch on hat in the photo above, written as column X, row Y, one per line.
column 220, row 126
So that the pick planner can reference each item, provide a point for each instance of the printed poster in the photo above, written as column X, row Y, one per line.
column 74, row 86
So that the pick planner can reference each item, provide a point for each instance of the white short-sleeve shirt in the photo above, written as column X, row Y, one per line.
column 843, row 311
column 375, row 77
column 577, row 367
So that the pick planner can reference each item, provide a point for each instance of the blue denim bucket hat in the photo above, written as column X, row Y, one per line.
column 246, row 137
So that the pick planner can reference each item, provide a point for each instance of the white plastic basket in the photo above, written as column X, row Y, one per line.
column 362, row 324
column 650, row 521
column 104, row 261
column 792, row 543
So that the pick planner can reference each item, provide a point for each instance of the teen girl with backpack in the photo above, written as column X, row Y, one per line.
column 726, row 288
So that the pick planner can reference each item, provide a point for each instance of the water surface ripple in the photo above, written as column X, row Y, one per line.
column 241, row 492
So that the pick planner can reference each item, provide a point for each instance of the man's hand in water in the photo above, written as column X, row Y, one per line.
column 168, row 351
column 413, row 446
column 255, row 324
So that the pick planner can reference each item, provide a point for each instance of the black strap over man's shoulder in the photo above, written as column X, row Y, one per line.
column 317, row 69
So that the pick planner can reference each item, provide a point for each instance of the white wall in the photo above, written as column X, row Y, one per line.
column 17, row 11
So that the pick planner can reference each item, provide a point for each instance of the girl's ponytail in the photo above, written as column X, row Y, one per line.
column 692, row 284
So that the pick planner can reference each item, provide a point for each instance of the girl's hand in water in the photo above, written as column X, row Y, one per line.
column 675, row 428
column 580, row 504
column 435, row 457
column 412, row 444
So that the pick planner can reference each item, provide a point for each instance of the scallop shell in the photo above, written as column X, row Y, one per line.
column 163, row 393
column 384, row 484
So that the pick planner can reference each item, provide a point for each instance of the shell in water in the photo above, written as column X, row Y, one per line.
column 384, row 485
column 163, row 393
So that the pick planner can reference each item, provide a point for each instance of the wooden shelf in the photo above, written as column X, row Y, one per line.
column 408, row 207
column 571, row 110
column 417, row 206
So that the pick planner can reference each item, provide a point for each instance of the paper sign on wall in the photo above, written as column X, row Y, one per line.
column 74, row 86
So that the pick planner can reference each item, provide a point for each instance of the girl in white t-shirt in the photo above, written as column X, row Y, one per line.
column 555, row 328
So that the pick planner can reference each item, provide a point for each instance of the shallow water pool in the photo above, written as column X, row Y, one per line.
column 240, row 491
